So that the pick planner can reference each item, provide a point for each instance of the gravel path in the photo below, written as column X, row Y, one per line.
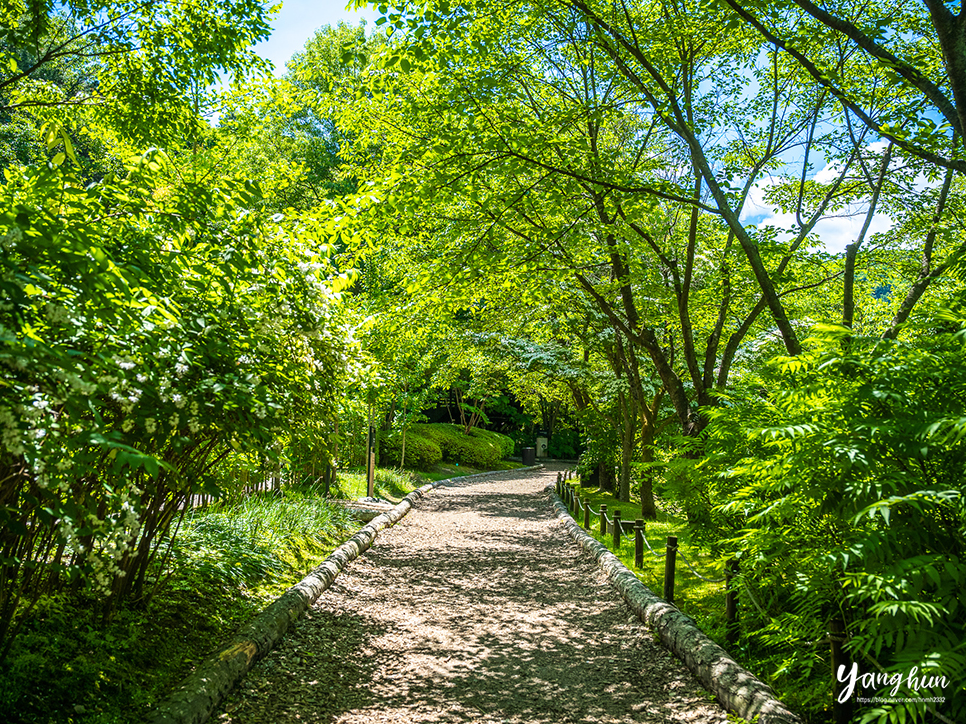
column 475, row 607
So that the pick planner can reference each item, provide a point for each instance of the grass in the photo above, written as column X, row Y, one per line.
column 229, row 562
column 704, row 601
column 701, row 600
column 394, row 485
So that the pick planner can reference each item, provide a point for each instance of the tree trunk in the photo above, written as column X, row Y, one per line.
column 627, row 448
column 648, row 507
column 402, row 451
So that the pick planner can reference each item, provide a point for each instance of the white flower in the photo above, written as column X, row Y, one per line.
column 57, row 314
column 11, row 238
column 178, row 400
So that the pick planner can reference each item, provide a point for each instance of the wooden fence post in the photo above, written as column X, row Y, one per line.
column 841, row 711
column 603, row 519
column 371, row 463
column 672, row 549
column 639, row 543
column 586, row 514
column 558, row 487
column 731, row 601
column 617, row 530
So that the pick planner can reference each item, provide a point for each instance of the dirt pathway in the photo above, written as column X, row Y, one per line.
column 476, row 607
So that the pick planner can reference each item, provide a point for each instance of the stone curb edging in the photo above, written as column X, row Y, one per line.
column 199, row 694
column 736, row 689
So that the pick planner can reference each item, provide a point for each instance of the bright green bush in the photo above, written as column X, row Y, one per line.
column 422, row 453
column 479, row 449
column 505, row 443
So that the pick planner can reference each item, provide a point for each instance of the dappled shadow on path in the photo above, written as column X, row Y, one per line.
column 479, row 608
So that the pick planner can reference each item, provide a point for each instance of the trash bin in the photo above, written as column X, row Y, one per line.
column 529, row 456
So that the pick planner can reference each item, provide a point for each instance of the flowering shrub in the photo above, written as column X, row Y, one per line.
column 148, row 329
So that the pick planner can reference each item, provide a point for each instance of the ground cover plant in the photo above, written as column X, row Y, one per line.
column 229, row 561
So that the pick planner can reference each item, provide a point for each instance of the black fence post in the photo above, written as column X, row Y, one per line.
column 731, row 601
column 672, row 549
column 617, row 530
column 586, row 514
column 639, row 543
column 603, row 519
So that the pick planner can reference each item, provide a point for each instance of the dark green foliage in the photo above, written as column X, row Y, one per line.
column 839, row 480
column 564, row 444
column 226, row 565
column 430, row 444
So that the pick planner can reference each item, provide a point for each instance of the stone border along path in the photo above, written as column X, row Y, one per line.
column 477, row 607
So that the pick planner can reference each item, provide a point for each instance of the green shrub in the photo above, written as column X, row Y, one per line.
column 480, row 449
column 505, row 443
column 422, row 453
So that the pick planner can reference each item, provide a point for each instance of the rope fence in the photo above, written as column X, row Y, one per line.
column 617, row 529
column 612, row 525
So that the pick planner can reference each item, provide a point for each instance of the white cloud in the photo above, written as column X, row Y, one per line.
column 836, row 231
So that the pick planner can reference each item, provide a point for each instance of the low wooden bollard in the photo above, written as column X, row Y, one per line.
column 669, row 559
column 731, row 601
column 559, row 486
column 603, row 519
column 586, row 514
column 639, row 543
column 617, row 530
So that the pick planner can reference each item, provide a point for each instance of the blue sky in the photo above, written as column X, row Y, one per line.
column 297, row 22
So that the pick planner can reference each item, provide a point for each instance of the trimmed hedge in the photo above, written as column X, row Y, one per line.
column 422, row 453
column 429, row 444
column 480, row 449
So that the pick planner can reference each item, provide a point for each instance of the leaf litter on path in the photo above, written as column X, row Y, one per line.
column 475, row 607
